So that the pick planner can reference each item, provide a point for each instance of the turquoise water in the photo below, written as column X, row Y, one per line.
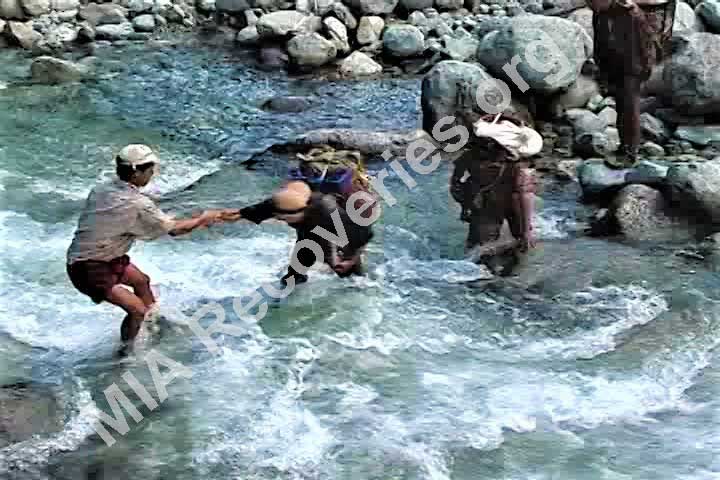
column 598, row 361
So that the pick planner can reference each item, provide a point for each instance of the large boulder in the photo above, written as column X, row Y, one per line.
column 23, row 34
column 451, row 87
column 696, row 188
column 367, row 142
column 281, row 23
column 114, row 32
column 403, row 41
column 103, row 14
column 709, row 11
column 51, row 70
column 641, row 213
column 374, row 7
column 692, row 75
column 310, row 50
column 357, row 64
column 551, row 51
column 35, row 8
column 598, row 181
column 337, row 33
column 370, row 29
column 232, row 6
column 11, row 10
column 686, row 20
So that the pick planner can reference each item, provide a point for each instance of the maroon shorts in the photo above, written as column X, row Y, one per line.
column 95, row 279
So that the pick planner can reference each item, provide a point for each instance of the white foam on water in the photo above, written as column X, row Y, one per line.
column 630, row 306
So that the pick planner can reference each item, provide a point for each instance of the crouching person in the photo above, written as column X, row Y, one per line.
column 309, row 213
column 493, row 184
column 115, row 215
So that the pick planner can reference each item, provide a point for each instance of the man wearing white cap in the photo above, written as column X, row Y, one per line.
column 492, row 183
column 115, row 215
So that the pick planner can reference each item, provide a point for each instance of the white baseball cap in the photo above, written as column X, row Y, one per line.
column 136, row 154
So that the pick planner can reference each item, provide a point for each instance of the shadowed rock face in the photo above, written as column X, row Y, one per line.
column 27, row 409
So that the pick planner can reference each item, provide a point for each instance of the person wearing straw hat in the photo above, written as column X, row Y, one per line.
column 115, row 215
column 303, row 209
column 493, row 184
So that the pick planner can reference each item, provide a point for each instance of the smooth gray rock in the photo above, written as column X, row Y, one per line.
column 403, row 41
column 310, row 50
column 50, row 70
column 35, row 8
column 370, row 29
column 144, row 23
column 248, row 36
column 114, row 32
column 692, row 75
column 357, row 64
column 641, row 213
column 552, row 52
column 696, row 187
column 281, row 23
column 337, row 33
column 12, row 10
column 103, row 14
column 686, row 20
column 23, row 34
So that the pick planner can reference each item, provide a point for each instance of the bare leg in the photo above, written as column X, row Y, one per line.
column 134, row 307
column 135, row 278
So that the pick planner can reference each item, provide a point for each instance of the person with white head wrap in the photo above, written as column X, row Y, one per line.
column 494, row 185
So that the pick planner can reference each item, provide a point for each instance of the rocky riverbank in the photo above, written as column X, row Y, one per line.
column 460, row 47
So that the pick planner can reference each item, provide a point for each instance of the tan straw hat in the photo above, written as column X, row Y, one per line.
column 136, row 154
column 293, row 198
column 520, row 141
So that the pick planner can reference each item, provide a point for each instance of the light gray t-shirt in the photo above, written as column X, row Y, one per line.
column 115, row 215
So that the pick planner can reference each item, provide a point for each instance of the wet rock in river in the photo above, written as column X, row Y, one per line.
column 27, row 409
column 288, row 104
column 50, row 70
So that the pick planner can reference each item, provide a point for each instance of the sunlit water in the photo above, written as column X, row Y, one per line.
column 597, row 362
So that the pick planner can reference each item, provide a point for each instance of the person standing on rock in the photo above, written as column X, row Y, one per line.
column 492, row 183
column 631, row 37
column 115, row 215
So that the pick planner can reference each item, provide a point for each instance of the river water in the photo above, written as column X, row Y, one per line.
column 598, row 361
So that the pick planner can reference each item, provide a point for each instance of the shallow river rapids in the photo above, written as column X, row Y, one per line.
column 598, row 361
